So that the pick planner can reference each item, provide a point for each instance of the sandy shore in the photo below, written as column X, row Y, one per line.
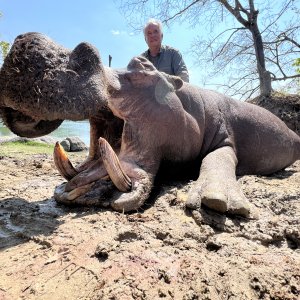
column 51, row 251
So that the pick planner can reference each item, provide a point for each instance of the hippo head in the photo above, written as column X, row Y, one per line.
column 143, row 90
column 42, row 84
column 147, row 102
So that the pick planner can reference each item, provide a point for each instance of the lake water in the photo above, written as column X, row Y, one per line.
column 66, row 129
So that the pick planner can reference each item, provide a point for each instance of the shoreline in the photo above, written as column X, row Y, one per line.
column 45, row 139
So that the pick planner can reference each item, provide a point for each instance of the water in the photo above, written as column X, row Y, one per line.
column 66, row 129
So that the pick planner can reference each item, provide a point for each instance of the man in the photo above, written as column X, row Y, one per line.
column 164, row 58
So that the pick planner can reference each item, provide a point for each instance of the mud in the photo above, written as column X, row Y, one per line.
column 49, row 251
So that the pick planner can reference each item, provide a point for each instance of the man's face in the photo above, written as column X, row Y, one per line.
column 153, row 36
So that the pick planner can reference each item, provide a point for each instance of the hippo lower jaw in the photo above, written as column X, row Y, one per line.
column 108, row 180
column 110, row 161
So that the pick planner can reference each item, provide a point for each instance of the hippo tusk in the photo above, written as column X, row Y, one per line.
column 113, row 166
column 62, row 162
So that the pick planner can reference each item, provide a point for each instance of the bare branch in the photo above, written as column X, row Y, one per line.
column 286, row 77
column 181, row 11
column 279, row 15
column 283, row 37
column 239, row 6
column 226, row 43
column 223, row 32
column 235, row 11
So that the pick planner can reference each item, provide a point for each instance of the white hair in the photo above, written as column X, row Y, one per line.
column 153, row 22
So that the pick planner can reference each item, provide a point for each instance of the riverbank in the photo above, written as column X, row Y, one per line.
column 45, row 144
column 80, row 129
column 51, row 251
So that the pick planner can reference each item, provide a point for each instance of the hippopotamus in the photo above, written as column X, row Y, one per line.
column 141, row 120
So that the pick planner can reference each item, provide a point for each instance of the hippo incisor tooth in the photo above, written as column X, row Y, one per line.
column 62, row 162
column 113, row 166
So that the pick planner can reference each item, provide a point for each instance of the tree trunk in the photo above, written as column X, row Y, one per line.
column 251, row 24
column 264, row 74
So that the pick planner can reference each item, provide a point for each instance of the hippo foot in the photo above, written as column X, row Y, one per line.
column 217, row 187
column 225, row 197
column 220, row 196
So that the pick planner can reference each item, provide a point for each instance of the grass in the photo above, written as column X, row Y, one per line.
column 20, row 148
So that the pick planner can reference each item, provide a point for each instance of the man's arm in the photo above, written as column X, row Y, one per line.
column 179, row 66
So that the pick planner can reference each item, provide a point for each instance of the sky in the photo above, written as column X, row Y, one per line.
column 98, row 22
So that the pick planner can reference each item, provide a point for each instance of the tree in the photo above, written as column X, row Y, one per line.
column 297, row 64
column 256, row 49
column 4, row 47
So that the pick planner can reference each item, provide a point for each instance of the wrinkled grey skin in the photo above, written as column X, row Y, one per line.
column 43, row 84
column 156, row 118
column 179, row 122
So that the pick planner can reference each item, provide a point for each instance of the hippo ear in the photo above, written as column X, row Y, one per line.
column 176, row 81
column 85, row 58
column 140, row 63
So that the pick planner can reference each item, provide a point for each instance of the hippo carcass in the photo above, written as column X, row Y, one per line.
column 139, row 118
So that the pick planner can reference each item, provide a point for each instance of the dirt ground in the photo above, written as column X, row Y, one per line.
column 49, row 251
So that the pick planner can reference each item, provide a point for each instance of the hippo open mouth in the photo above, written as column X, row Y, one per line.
column 102, row 181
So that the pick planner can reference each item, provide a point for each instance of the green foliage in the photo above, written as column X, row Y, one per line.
column 4, row 47
column 297, row 64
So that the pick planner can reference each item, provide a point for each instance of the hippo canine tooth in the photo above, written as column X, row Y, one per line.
column 113, row 166
column 62, row 162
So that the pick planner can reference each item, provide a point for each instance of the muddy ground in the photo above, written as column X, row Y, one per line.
column 49, row 251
